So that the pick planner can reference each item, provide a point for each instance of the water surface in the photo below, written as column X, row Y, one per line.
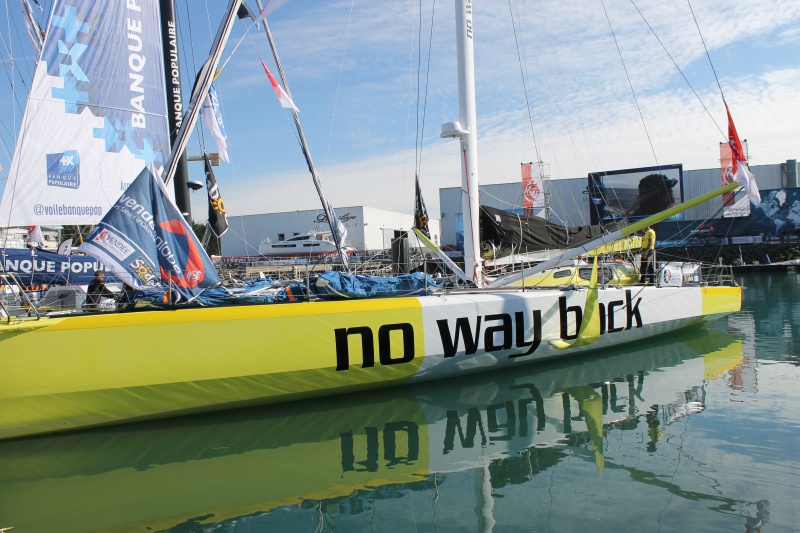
column 696, row 431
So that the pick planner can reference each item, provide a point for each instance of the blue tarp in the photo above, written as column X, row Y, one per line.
column 336, row 285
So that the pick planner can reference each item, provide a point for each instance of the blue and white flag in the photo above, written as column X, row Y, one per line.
column 212, row 118
column 146, row 242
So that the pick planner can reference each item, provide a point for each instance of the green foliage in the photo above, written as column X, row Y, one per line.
column 76, row 233
column 213, row 246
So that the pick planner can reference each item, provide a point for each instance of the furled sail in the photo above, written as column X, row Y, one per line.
column 96, row 114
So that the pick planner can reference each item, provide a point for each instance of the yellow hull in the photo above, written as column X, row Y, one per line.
column 88, row 370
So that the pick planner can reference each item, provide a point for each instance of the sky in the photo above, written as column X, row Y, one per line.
column 581, row 85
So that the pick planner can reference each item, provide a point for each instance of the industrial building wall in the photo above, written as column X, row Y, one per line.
column 568, row 201
column 246, row 232
column 367, row 228
column 380, row 226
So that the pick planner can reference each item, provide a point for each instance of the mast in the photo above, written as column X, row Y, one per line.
column 326, row 206
column 203, row 82
column 172, row 78
column 467, row 132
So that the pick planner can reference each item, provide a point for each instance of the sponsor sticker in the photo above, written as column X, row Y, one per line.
column 141, row 269
column 113, row 243
column 63, row 169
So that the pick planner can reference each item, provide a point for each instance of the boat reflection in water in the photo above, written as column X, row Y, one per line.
column 324, row 461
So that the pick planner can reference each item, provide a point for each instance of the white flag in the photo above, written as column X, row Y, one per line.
column 35, row 236
column 269, row 7
column 339, row 225
column 283, row 96
column 212, row 118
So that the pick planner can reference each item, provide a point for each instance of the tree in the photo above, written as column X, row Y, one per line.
column 213, row 246
column 76, row 233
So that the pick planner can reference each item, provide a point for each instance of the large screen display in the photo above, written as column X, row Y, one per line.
column 634, row 193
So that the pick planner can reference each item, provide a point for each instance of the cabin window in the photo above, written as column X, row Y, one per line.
column 281, row 236
column 603, row 275
column 562, row 274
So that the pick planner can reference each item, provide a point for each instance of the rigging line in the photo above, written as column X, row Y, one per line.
column 521, row 60
column 421, row 129
column 408, row 103
column 630, row 83
column 707, row 54
column 679, row 69
column 338, row 87
column 591, row 153
column 12, row 64
column 191, row 48
column 416, row 110
column 21, row 43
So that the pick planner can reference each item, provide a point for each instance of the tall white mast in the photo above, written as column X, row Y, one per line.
column 467, row 132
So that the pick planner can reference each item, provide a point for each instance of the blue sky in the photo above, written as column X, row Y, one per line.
column 352, row 70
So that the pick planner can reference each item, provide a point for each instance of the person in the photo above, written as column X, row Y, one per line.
column 655, row 195
column 97, row 290
column 649, row 255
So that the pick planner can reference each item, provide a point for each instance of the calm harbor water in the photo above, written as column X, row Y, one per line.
column 694, row 431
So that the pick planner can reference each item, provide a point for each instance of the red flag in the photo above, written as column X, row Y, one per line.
column 283, row 96
column 739, row 169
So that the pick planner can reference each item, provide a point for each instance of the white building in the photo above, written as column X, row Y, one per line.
column 368, row 229
column 17, row 237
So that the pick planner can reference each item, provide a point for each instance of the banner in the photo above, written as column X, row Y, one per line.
column 217, row 218
column 65, row 247
column 146, row 241
column 421, row 212
column 34, row 267
column 532, row 191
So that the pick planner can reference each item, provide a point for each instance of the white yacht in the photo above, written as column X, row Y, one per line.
column 313, row 243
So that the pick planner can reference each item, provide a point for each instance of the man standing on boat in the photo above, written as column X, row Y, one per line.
column 649, row 255
column 96, row 291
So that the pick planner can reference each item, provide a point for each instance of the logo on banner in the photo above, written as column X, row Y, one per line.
column 63, row 170
column 322, row 218
column 194, row 272
column 113, row 244
column 531, row 192
column 141, row 269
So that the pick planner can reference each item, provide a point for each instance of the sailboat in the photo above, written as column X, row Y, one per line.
column 107, row 368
